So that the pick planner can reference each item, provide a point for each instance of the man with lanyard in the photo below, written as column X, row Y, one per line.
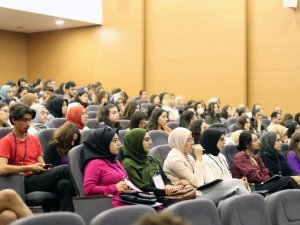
column 22, row 152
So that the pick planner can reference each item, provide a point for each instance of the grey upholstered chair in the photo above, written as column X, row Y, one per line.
column 91, row 108
column 197, row 211
column 160, row 152
column 158, row 137
column 283, row 207
column 84, row 134
column 124, row 124
column 86, row 206
column 5, row 131
column 229, row 151
column 125, row 215
column 45, row 136
column 122, row 134
column 54, row 218
column 92, row 114
column 231, row 121
column 56, row 122
column 244, row 210
column 173, row 124
column 92, row 123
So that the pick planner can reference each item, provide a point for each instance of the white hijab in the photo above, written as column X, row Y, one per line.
column 178, row 138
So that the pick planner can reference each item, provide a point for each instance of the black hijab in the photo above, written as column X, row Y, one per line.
column 291, row 128
column 209, row 141
column 55, row 106
column 96, row 145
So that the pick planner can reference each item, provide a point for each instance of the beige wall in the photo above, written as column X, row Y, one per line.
column 273, row 55
column 112, row 53
column 13, row 56
column 236, row 50
column 196, row 48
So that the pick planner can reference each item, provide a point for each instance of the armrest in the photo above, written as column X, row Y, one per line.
column 15, row 182
column 90, row 206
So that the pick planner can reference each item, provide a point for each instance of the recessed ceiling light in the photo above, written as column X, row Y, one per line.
column 59, row 22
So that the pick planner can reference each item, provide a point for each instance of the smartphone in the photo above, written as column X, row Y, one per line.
column 47, row 166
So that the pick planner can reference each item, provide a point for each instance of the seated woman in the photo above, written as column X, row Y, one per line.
column 242, row 124
column 272, row 159
column 103, row 173
column 57, row 107
column 82, row 98
column 4, row 115
column 213, row 113
column 281, row 130
column 186, row 119
column 39, row 122
column 78, row 115
column 138, row 120
column 293, row 156
column 158, row 120
column 197, row 128
column 108, row 116
column 30, row 99
column 144, row 171
column 63, row 140
column 130, row 109
column 256, row 122
column 12, row 207
column 7, row 95
column 247, row 164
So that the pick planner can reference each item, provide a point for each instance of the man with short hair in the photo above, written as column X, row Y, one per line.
column 70, row 90
column 22, row 152
column 275, row 119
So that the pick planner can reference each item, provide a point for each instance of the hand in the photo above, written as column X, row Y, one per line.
column 37, row 167
column 169, row 189
column 183, row 182
column 122, row 186
column 198, row 151
column 244, row 181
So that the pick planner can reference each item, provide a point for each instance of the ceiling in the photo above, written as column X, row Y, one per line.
column 26, row 22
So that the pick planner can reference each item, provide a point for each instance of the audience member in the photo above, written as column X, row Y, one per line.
column 158, row 121
column 138, row 120
column 213, row 114
column 38, row 123
column 293, row 156
column 108, row 116
column 4, row 115
column 78, row 115
column 197, row 128
column 70, row 90
column 58, row 107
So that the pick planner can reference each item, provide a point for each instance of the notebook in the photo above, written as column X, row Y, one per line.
column 209, row 184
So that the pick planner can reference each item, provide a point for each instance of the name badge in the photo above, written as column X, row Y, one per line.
column 158, row 181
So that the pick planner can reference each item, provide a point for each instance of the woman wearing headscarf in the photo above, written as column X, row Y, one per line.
column 144, row 171
column 215, row 165
column 7, row 95
column 247, row 164
column 78, row 115
column 272, row 159
column 30, row 98
column 58, row 107
column 40, row 119
column 103, row 173
column 281, row 130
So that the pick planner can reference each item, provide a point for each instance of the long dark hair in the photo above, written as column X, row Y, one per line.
column 103, row 114
column 195, row 128
column 245, row 140
column 153, row 124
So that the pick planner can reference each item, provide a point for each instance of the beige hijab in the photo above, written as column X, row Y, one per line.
column 178, row 137
column 281, row 130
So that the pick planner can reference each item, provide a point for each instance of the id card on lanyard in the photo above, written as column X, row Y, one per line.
column 158, row 181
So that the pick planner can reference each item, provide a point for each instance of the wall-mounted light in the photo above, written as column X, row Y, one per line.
column 291, row 4
column 59, row 22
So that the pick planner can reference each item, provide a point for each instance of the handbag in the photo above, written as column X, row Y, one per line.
column 188, row 192
column 147, row 198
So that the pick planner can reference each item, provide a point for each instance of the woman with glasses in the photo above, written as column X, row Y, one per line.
column 247, row 163
column 145, row 171
column 103, row 173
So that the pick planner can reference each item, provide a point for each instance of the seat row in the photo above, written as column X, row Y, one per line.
column 280, row 208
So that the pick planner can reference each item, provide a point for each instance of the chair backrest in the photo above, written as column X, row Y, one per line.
column 76, row 173
column 92, row 123
column 124, row 124
column 231, row 128
column 66, row 218
column 160, row 152
column 220, row 127
column 140, row 101
column 56, row 122
column 283, row 207
column 230, row 121
column 84, row 134
column 244, row 210
column 158, row 137
column 92, row 114
column 229, row 151
column 5, row 131
column 122, row 134
column 125, row 215
column 284, row 149
column 173, row 124
column 45, row 136
column 197, row 211
column 92, row 108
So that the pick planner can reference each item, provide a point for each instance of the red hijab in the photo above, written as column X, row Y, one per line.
column 74, row 116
